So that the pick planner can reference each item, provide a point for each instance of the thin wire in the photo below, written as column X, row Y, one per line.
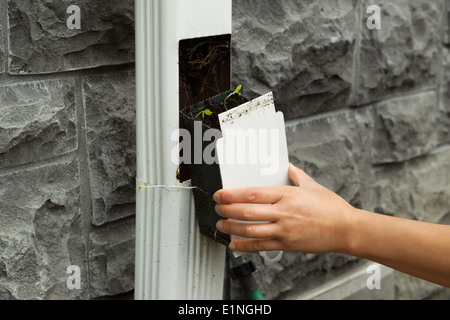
column 177, row 188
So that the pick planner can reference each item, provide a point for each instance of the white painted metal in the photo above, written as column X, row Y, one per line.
column 173, row 261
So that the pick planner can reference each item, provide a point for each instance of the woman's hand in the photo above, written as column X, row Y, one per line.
column 309, row 218
column 306, row 218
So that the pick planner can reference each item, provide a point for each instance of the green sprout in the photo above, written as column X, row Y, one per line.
column 237, row 91
column 204, row 113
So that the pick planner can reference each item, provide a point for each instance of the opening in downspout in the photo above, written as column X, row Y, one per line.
column 205, row 71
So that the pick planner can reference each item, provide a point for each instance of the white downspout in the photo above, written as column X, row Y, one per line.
column 173, row 261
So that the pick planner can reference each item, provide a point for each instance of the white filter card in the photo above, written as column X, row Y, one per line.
column 253, row 150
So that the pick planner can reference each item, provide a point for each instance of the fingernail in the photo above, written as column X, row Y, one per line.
column 217, row 197
column 232, row 246
column 219, row 225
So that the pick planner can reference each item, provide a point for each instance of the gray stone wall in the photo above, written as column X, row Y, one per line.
column 368, row 113
column 67, row 149
column 368, row 116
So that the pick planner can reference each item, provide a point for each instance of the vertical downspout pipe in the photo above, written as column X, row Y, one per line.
column 173, row 261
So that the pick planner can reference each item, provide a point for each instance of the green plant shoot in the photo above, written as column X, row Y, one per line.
column 204, row 113
column 237, row 91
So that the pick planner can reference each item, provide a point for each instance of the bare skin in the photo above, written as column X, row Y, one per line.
column 309, row 218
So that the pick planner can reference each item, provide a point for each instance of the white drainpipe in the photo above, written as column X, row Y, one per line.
column 173, row 261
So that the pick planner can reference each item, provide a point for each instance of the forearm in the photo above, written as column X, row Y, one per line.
column 311, row 219
column 416, row 248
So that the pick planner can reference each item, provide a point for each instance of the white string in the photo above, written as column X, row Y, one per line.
column 144, row 186
column 172, row 188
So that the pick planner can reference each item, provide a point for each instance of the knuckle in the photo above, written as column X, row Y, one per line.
column 247, row 213
column 254, row 247
column 251, row 196
column 251, row 231
column 240, row 246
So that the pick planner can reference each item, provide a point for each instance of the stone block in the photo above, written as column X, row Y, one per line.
column 111, row 259
column 403, row 55
column 352, row 285
column 416, row 189
column 2, row 51
column 302, row 51
column 109, row 103
column 444, row 103
column 333, row 150
column 405, row 127
column 296, row 273
column 41, row 233
column 37, row 121
column 41, row 42
column 411, row 288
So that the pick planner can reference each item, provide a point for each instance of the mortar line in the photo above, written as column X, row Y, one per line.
column 8, row 79
column 5, row 27
column 34, row 165
column 85, row 181
column 371, row 105
column 442, row 38
column 357, row 54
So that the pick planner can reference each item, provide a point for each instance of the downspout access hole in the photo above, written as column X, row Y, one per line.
column 204, row 72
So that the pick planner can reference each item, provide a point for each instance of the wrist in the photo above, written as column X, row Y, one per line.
column 351, row 242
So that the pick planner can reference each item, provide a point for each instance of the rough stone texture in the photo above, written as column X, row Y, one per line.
column 111, row 141
column 45, row 197
column 381, row 155
column 403, row 55
column 111, row 258
column 388, row 153
column 332, row 150
column 417, row 189
column 294, row 274
column 40, row 41
column 405, row 128
column 2, row 51
column 40, row 233
column 410, row 288
column 444, row 106
column 37, row 121
column 300, row 50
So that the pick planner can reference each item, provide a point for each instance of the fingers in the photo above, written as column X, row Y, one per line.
column 259, row 195
column 249, row 212
column 255, row 245
column 254, row 231
column 297, row 176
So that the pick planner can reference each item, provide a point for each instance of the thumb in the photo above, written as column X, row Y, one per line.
column 297, row 176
